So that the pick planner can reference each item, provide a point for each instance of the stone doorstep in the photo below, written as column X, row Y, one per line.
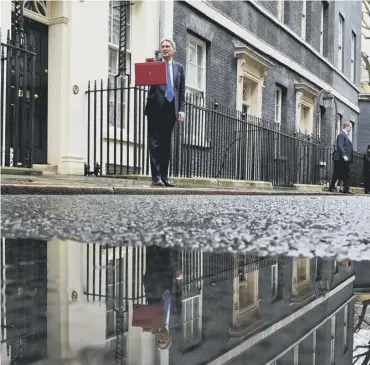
column 61, row 181
column 46, row 169
column 20, row 171
column 236, row 183
column 207, row 182
column 26, row 189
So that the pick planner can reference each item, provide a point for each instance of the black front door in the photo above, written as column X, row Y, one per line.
column 26, row 300
column 39, row 32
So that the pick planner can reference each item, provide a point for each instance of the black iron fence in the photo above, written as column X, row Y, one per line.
column 17, row 100
column 214, row 142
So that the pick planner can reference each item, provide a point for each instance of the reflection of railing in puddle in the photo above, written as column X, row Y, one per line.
column 109, row 270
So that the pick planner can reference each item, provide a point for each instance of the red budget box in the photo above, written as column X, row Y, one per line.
column 150, row 73
column 147, row 316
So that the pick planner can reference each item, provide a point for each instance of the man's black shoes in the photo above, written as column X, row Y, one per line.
column 158, row 182
column 162, row 183
column 168, row 184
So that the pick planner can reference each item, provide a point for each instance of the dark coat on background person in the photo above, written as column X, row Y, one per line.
column 367, row 170
column 156, row 96
column 343, row 147
column 341, row 167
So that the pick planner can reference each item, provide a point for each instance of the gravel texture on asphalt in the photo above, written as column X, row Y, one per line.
column 307, row 225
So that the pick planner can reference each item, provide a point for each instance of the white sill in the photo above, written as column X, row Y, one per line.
column 305, row 43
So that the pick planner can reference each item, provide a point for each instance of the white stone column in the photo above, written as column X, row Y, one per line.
column 145, row 31
column 57, row 300
column 5, row 24
column 166, row 19
column 78, row 52
column 5, row 18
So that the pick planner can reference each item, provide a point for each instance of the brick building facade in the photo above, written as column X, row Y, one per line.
column 272, row 58
column 268, row 311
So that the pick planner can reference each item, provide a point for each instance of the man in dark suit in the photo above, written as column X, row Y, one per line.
column 165, row 105
column 343, row 156
column 162, row 289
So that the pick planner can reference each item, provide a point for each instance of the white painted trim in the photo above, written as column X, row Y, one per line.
column 250, row 342
column 42, row 19
column 364, row 96
column 250, row 38
column 271, row 362
column 305, row 43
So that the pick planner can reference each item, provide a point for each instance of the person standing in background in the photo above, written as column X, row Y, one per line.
column 343, row 156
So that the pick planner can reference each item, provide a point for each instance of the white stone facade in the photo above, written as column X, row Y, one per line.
column 78, row 43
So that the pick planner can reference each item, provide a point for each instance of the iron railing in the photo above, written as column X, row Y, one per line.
column 17, row 99
column 214, row 142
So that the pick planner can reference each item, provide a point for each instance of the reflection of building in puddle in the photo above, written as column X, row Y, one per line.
column 361, row 354
column 272, row 311
column 60, row 299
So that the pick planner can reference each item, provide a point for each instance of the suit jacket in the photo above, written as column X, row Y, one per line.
column 159, row 277
column 343, row 148
column 157, row 93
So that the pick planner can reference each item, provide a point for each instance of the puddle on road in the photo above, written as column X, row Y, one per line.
column 73, row 303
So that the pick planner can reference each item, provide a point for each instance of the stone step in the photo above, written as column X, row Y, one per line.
column 46, row 169
column 20, row 171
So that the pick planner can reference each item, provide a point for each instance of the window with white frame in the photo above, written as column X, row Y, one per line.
column 280, row 10
column 301, row 276
column 196, row 53
column 278, row 118
column 314, row 335
column 353, row 57
column 338, row 125
column 302, row 270
column 191, row 320
column 322, row 14
column 278, row 104
column 116, row 118
column 195, row 67
column 306, row 122
column 335, row 267
column 332, row 342
column 340, row 42
column 305, row 105
column 351, row 133
column 345, row 329
column 248, row 290
column 303, row 20
column 296, row 355
column 274, row 281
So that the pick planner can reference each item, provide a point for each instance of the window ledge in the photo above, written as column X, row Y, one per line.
column 244, row 330
column 301, row 298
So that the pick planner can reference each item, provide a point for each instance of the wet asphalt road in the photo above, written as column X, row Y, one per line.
column 333, row 225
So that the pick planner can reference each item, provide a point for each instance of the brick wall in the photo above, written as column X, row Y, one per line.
column 221, row 63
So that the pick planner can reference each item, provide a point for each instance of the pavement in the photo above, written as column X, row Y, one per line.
column 76, row 185
column 291, row 225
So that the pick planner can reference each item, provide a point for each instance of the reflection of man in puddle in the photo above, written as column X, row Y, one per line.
column 161, row 290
